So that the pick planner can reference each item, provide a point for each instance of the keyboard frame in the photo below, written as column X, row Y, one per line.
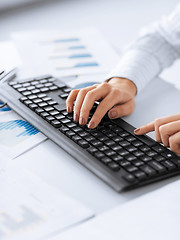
column 11, row 97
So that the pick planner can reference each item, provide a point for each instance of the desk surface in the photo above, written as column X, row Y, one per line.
column 110, row 17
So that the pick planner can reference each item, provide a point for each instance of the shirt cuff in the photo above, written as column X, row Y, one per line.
column 138, row 66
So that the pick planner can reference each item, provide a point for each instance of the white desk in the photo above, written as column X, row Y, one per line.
column 120, row 22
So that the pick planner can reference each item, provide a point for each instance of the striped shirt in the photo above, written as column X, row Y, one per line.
column 156, row 49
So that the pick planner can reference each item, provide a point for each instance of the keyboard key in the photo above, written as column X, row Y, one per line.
column 44, row 89
column 63, row 129
column 145, row 158
column 27, row 102
column 123, row 152
column 159, row 158
column 50, row 118
column 37, row 100
column 26, row 93
column 42, row 104
column 138, row 153
column 117, row 158
column 157, row 166
column 109, row 153
column 137, row 143
column 123, row 134
column 70, row 134
column 33, row 106
column 168, row 164
column 124, row 143
column 129, row 178
column 130, row 157
column 144, row 148
column 140, row 175
column 158, row 148
column 131, row 168
column 54, row 112
column 83, row 143
column 53, row 88
column 39, row 110
column 106, row 160
column 114, row 166
column 124, row 163
column 137, row 163
column 56, row 123
column 116, row 147
column 168, row 154
column 130, row 148
column 96, row 143
column 49, row 108
column 109, row 142
column 130, row 138
column 63, row 95
column 22, row 89
column 148, row 170
column 59, row 116
column 151, row 153
column 117, row 138
column 76, row 138
column 99, row 154
column 44, row 114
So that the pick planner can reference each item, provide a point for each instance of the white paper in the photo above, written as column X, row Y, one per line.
column 65, row 53
column 16, row 135
column 31, row 209
column 153, row 216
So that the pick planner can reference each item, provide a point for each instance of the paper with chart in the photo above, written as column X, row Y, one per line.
column 16, row 135
column 31, row 209
column 76, row 52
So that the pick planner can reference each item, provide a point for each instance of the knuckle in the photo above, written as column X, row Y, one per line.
column 115, row 91
column 162, row 130
column 83, row 91
column 157, row 122
column 172, row 141
column 90, row 94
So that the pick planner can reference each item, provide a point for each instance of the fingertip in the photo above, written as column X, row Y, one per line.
column 137, row 131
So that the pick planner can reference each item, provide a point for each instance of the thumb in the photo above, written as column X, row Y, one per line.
column 122, row 110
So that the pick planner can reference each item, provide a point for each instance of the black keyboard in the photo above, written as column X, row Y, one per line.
column 112, row 151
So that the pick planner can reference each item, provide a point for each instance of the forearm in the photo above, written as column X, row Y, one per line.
column 153, row 51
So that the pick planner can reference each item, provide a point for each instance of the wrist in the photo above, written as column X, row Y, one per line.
column 124, row 83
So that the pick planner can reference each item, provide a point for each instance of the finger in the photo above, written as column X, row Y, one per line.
column 167, row 130
column 70, row 100
column 161, row 121
column 145, row 129
column 122, row 110
column 107, row 103
column 93, row 95
column 174, row 143
column 79, row 101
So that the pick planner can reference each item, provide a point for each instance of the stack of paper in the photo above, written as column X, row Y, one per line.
column 31, row 209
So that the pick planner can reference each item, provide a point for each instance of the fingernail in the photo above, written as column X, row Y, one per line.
column 81, row 121
column 113, row 114
column 137, row 130
column 91, row 125
column 76, row 117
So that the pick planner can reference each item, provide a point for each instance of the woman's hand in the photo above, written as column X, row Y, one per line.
column 117, row 97
column 167, row 131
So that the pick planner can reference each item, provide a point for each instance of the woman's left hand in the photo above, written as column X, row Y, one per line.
column 167, row 131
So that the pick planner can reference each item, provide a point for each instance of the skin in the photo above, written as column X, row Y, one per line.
column 118, row 99
column 167, row 131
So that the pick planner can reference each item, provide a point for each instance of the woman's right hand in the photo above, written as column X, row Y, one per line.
column 117, row 97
